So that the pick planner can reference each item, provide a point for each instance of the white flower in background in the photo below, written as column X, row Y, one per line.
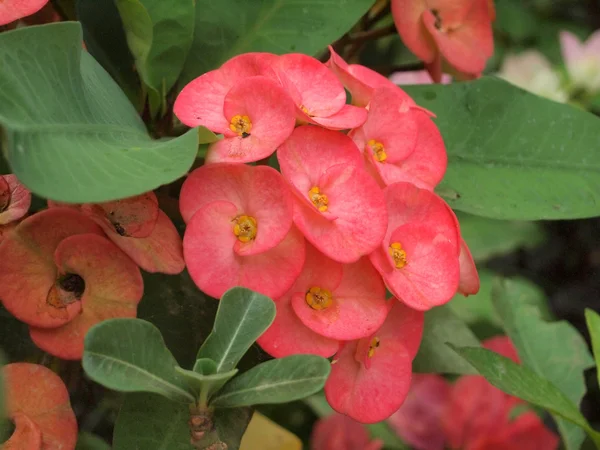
column 531, row 71
column 582, row 60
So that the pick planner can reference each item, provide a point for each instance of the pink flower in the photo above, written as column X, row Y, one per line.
column 339, row 208
column 360, row 80
column 416, row 77
column 319, row 96
column 241, row 101
column 400, row 142
column 239, row 230
column 370, row 378
column 419, row 420
column 339, row 432
column 329, row 302
column 15, row 199
column 459, row 32
column 419, row 256
column 11, row 10
column 582, row 60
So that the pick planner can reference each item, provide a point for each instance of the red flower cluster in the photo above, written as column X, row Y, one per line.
column 470, row 414
column 348, row 214
column 64, row 269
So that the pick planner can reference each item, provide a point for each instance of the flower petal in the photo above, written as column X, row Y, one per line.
column 15, row 198
column 346, row 118
column 12, row 10
column 407, row 17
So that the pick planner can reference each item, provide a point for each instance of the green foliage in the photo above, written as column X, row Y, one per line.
column 276, row 381
column 228, row 28
column 513, row 155
column 553, row 350
column 89, row 441
column 593, row 323
column 205, row 385
column 72, row 135
column 522, row 382
column 443, row 326
column 243, row 315
column 130, row 355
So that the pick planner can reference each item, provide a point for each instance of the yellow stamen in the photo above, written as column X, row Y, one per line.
column 318, row 298
column 245, row 228
column 373, row 346
column 241, row 125
column 319, row 200
column 378, row 149
column 398, row 255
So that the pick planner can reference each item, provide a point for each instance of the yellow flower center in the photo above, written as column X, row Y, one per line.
column 398, row 255
column 318, row 298
column 373, row 346
column 378, row 149
column 245, row 228
column 241, row 125
column 319, row 200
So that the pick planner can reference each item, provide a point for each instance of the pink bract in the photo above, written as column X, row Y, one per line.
column 239, row 229
column 11, row 10
column 338, row 207
column 15, row 198
column 371, row 377
column 419, row 256
column 416, row 77
column 319, row 96
column 339, row 432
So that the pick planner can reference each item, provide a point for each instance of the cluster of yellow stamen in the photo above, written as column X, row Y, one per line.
column 319, row 200
column 373, row 346
column 245, row 228
column 241, row 125
column 378, row 149
column 318, row 298
column 398, row 255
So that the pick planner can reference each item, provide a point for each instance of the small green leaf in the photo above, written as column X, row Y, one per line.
column 276, row 381
column 227, row 28
column 553, row 350
column 205, row 386
column 442, row 326
column 512, row 154
column 205, row 366
column 382, row 431
column 205, row 136
column 522, row 382
column 151, row 422
column 129, row 355
column 89, row 441
column 593, row 323
column 243, row 315
column 71, row 133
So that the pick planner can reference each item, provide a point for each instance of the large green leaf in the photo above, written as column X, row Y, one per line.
column 227, row 28
column 151, row 422
column 522, row 382
column 72, row 134
column 243, row 315
column 276, row 381
column 204, row 386
column 129, row 355
column 553, row 350
column 89, row 441
column 593, row 323
column 513, row 155
column 159, row 34
column 443, row 326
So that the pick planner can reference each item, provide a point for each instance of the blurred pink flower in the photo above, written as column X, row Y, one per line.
column 582, row 60
column 416, row 77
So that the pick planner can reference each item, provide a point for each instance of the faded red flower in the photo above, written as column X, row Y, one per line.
column 339, row 432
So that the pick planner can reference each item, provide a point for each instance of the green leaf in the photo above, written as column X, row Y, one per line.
column 243, row 315
column 89, row 441
column 159, row 35
column 391, row 441
column 593, row 323
column 553, row 350
column 204, row 386
column 442, row 326
column 129, row 355
column 105, row 41
column 231, row 424
column 522, row 382
column 205, row 366
column 152, row 422
column 276, row 381
column 229, row 27
column 72, row 134
column 512, row 154
column 489, row 237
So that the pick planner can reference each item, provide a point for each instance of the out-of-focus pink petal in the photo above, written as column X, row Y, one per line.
column 571, row 47
column 15, row 198
column 416, row 77
column 11, row 10
column 407, row 16
column 339, row 432
column 503, row 346
column 526, row 432
column 469, row 278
